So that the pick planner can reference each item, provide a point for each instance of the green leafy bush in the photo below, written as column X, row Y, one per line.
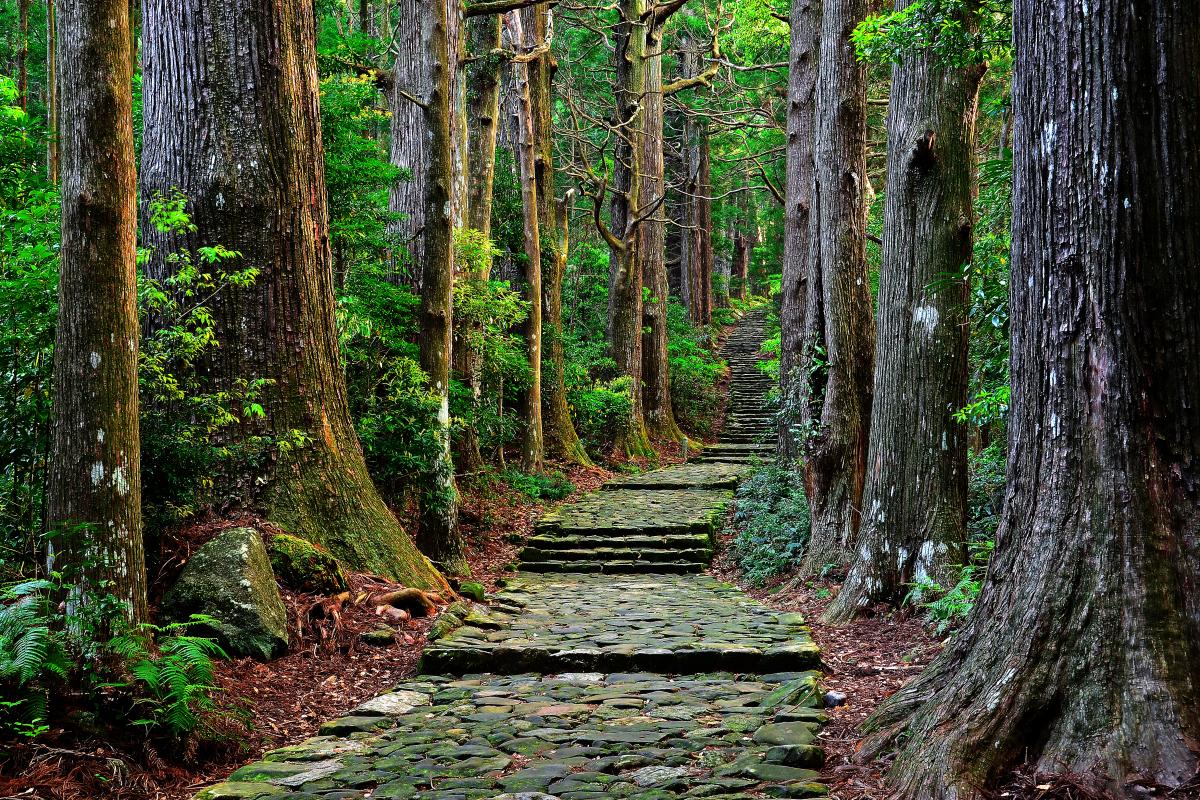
column 772, row 523
column 546, row 486
column 601, row 410
column 695, row 370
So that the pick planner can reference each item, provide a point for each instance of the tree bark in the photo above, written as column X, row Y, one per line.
column 412, row 140
column 704, row 223
column 805, row 27
column 260, row 189
column 839, row 335
column 483, row 109
column 95, row 466
column 440, row 537
column 625, row 271
column 1083, row 651
column 656, row 375
column 915, row 520
column 531, row 398
column 741, row 261
column 561, row 439
column 51, row 93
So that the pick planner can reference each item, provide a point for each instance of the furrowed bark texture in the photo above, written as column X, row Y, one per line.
column 1083, row 651
column 52, row 160
column 625, row 271
column 483, row 108
column 656, row 377
column 412, row 140
column 915, row 501
column 95, row 466
column 231, row 119
column 805, row 28
column 839, row 333
column 704, row 223
column 531, row 398
column 561, row 439
column 439, row 536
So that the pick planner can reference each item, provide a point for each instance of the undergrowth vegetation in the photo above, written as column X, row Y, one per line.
column 773, row 523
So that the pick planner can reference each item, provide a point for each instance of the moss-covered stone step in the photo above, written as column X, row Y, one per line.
column 644, row 511
column 683, row 476
column 685, row 541
column 617, row 566
column 604, row 622
column 634, row 736
column 701, row 555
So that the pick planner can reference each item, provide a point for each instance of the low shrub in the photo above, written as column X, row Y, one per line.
column 772, row 523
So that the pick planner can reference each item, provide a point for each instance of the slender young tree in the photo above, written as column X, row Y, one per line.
column 482, row 76
column 23, row 54
column 439, row 536
column 95, row 467
column 260, row 189
column 51, row 93
column 531, row 398
column 1083, row 651
column 839, row 330
column 561, row 439
column 805, row 42
column 914, row 521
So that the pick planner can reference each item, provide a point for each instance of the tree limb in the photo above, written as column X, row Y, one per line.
column 484, row 7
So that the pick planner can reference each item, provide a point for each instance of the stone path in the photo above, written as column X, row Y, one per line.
column 587, row 680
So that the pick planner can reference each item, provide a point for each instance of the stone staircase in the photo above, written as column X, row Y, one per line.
column 665, row 521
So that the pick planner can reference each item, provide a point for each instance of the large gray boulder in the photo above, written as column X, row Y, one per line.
column 230, row 580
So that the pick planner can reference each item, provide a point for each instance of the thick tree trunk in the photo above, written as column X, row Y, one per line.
column 1083, row 651
column 412, row 140
column 656, row 376
column 839, row 333
column 260, row 189
column 805, row 45
column 439, row 536
column 691, row 254
column 625, row 275
column 741, row 262
column 95, row 466
column 704, row 224
column 531, row 399
column 915, row 502
column 483, row 109
column 561, row 439
column 51, row 93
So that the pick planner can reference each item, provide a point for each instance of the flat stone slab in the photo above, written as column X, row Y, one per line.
column 640, row 511
column 694, row 475
column 673, row 624
column 557, row 737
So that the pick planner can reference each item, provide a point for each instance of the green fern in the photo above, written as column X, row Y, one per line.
column 32, row 655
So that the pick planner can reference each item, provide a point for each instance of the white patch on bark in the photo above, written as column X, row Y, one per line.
column 94, row 360
column 100, row 435
column 119, row 482
column 97, row 473
column 927, row 317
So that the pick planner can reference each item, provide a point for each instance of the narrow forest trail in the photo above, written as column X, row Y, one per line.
column 604, row 670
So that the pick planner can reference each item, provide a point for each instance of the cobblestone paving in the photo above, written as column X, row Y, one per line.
column 641, row 686
column 569, row 736
column 602, row 623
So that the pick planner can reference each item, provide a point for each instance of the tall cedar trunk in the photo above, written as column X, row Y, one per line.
column 839, row 332
column 364, row 16
column 1083, row 650
column 741, row 261
column 412, row 139
column 23, row 54
column 531, row 398
column 914, row 522
column 625, row 270
column 483, row 108
column 704, row 223
column 561, row 439
column 801, row 123
column 440, row 537
column 51, row 93
column 260, row 189
column 656, row 376
column 691, row 255
column 95, row 466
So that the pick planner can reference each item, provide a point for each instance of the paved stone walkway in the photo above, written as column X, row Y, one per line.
column 586, row 680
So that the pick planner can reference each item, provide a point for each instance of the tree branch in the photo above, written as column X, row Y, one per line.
column 484, row 7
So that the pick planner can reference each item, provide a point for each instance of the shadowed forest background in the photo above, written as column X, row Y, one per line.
column 354, row 291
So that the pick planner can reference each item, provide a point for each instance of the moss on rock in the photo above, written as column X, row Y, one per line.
column 230, row 580
column 305, row 567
